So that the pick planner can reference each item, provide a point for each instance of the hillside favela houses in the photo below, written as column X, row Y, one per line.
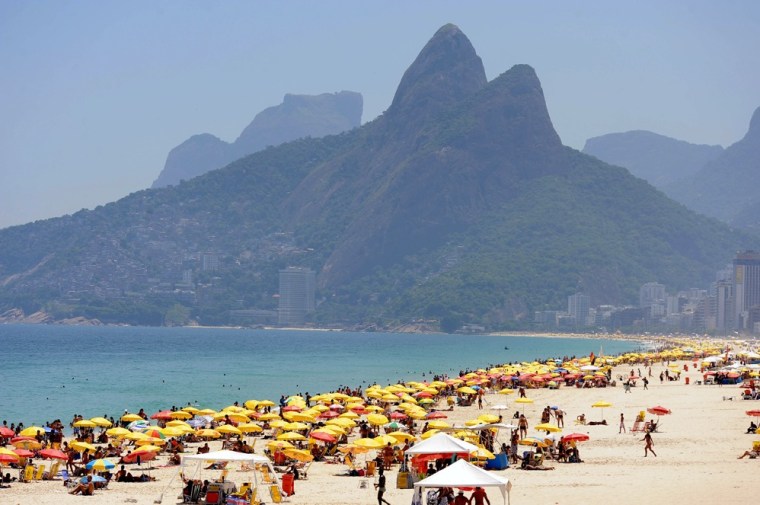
column 730, row 305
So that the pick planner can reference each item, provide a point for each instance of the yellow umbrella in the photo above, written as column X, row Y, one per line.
column 428, row 434
column 482, row 453
column 384, row 440
column 291, row 435
column 601, row 405
column 128, row 418
column 400, row 435
column 488, row 418
column 181, row 414
column 533, row 442
column 190, row 409
column 351, row 415
column 278, row 423
column 8, row 452
column 265, row 403
column 353, row 449
column 172, row 431
column 298, row 454
column 151, row 448
column 117, row 432
column 279, row 445
column 377, row 419
column 374, row 408
column 438, row 424
column 102, row 422
column 295, row 427
column 206, row 433
column 369, row 443
column 83, row 446
column 135, row 436
column 467, row 390
column 178, row 424
column 150, row 441
column 228, row 429
column 206, row 412
column 547, row 427
column 250, row 428
column 524, row 400
column 32, row 431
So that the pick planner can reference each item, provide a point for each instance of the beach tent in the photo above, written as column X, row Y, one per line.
column 465, row 474
column 225, row 455
column 443, row 444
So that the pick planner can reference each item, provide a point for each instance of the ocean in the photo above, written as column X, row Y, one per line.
column 49, row 372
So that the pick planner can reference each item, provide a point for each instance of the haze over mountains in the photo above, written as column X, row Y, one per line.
column 296, row 117
column 711, row 180
column 459, row 202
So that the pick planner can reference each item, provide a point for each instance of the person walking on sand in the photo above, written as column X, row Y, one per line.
column 380, row 486
column 648, row 444
column 622, row 424
column 646, row 382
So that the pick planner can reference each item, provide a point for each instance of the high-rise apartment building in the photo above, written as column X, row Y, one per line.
column 297, row 287
column 578, row 306
column 746, row 289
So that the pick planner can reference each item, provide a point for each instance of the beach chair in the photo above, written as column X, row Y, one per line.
column 28, row 474
column 275, row 493
column 255, row 496
column 214, row 494
column 195, row 494
column 266, row 476
column 40, row 472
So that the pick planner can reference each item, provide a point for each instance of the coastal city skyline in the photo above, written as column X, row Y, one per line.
column 95, row 95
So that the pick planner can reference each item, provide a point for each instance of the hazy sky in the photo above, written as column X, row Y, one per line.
column 94, row 94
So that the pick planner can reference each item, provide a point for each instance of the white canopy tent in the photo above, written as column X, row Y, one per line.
column 442, row 443
column 465, row 474
column 226, row 455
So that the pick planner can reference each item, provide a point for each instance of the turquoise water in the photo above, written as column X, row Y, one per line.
column 51, row 372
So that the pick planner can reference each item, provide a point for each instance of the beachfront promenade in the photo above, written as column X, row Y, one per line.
column 697, row 445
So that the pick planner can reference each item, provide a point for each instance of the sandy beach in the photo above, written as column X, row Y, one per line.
column 697, row 448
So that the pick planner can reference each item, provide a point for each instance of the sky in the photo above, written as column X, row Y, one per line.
column 95, row 93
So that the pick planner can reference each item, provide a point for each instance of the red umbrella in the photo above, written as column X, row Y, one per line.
column 23, row 453
column 328, row 414
column 165, row 415
column 6, row 432
column 143, row 455
column 423, row 394
column 436, row 415
column 53, row 454
column 658, row 410
column 292, row 408
column 8, row 458
column 753, row 413
column 398, row 415
column 575, row 437
column 324, row 437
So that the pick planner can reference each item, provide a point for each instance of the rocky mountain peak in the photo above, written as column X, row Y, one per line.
column 754, row 126
column 446, row 71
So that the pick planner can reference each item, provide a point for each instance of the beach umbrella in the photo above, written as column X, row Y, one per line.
column 482, row 453
column 601, row 405
column 94, row 478
column 228, row 429
column 298, row 454
column 575, row 437
column 393, row 425
column 250, row 428
column 436, row 414
column 148, row 448
column 429, row 433
column 500, row 407
column 6, row 432
column 23, row 453
column 129, row 418
column 377, row 419
column 406, row 437
column 150, row 441
column 533, row 442
column 32, row 431
column 154, row 432
column 398, row 415
column 323, row 437
column 54, row 454
column 271, row 416
column 181, row 414
column 279, row 445
column 190, row 409
column 100, row 465
column 291, row 435
column 207, row 433
column 385, row 440
column 142, row 454
column 197, row 423
column 368, row 443
column 164, row 415
column 488, row 418
column 8, row 457
column 438, row 425
column 658, row 410
column 173, row 431
column 547, row 427
column 83, row 446
column 753, row 413
column 26, row 443
column 177, row 423
column 102, row 422
column 467, row 390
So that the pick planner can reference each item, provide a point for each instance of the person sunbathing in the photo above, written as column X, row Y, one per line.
column 85, row 488
column 752, row 428
column 754, row 453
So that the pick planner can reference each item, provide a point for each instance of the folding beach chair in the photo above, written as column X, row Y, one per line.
column 40, row 472
column 274, row 492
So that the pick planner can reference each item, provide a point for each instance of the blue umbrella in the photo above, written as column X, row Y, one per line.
column 95, row 478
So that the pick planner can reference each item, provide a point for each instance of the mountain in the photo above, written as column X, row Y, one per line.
column 458, row 203
column 725, row 187
column 296, row 117
column 657, row 159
